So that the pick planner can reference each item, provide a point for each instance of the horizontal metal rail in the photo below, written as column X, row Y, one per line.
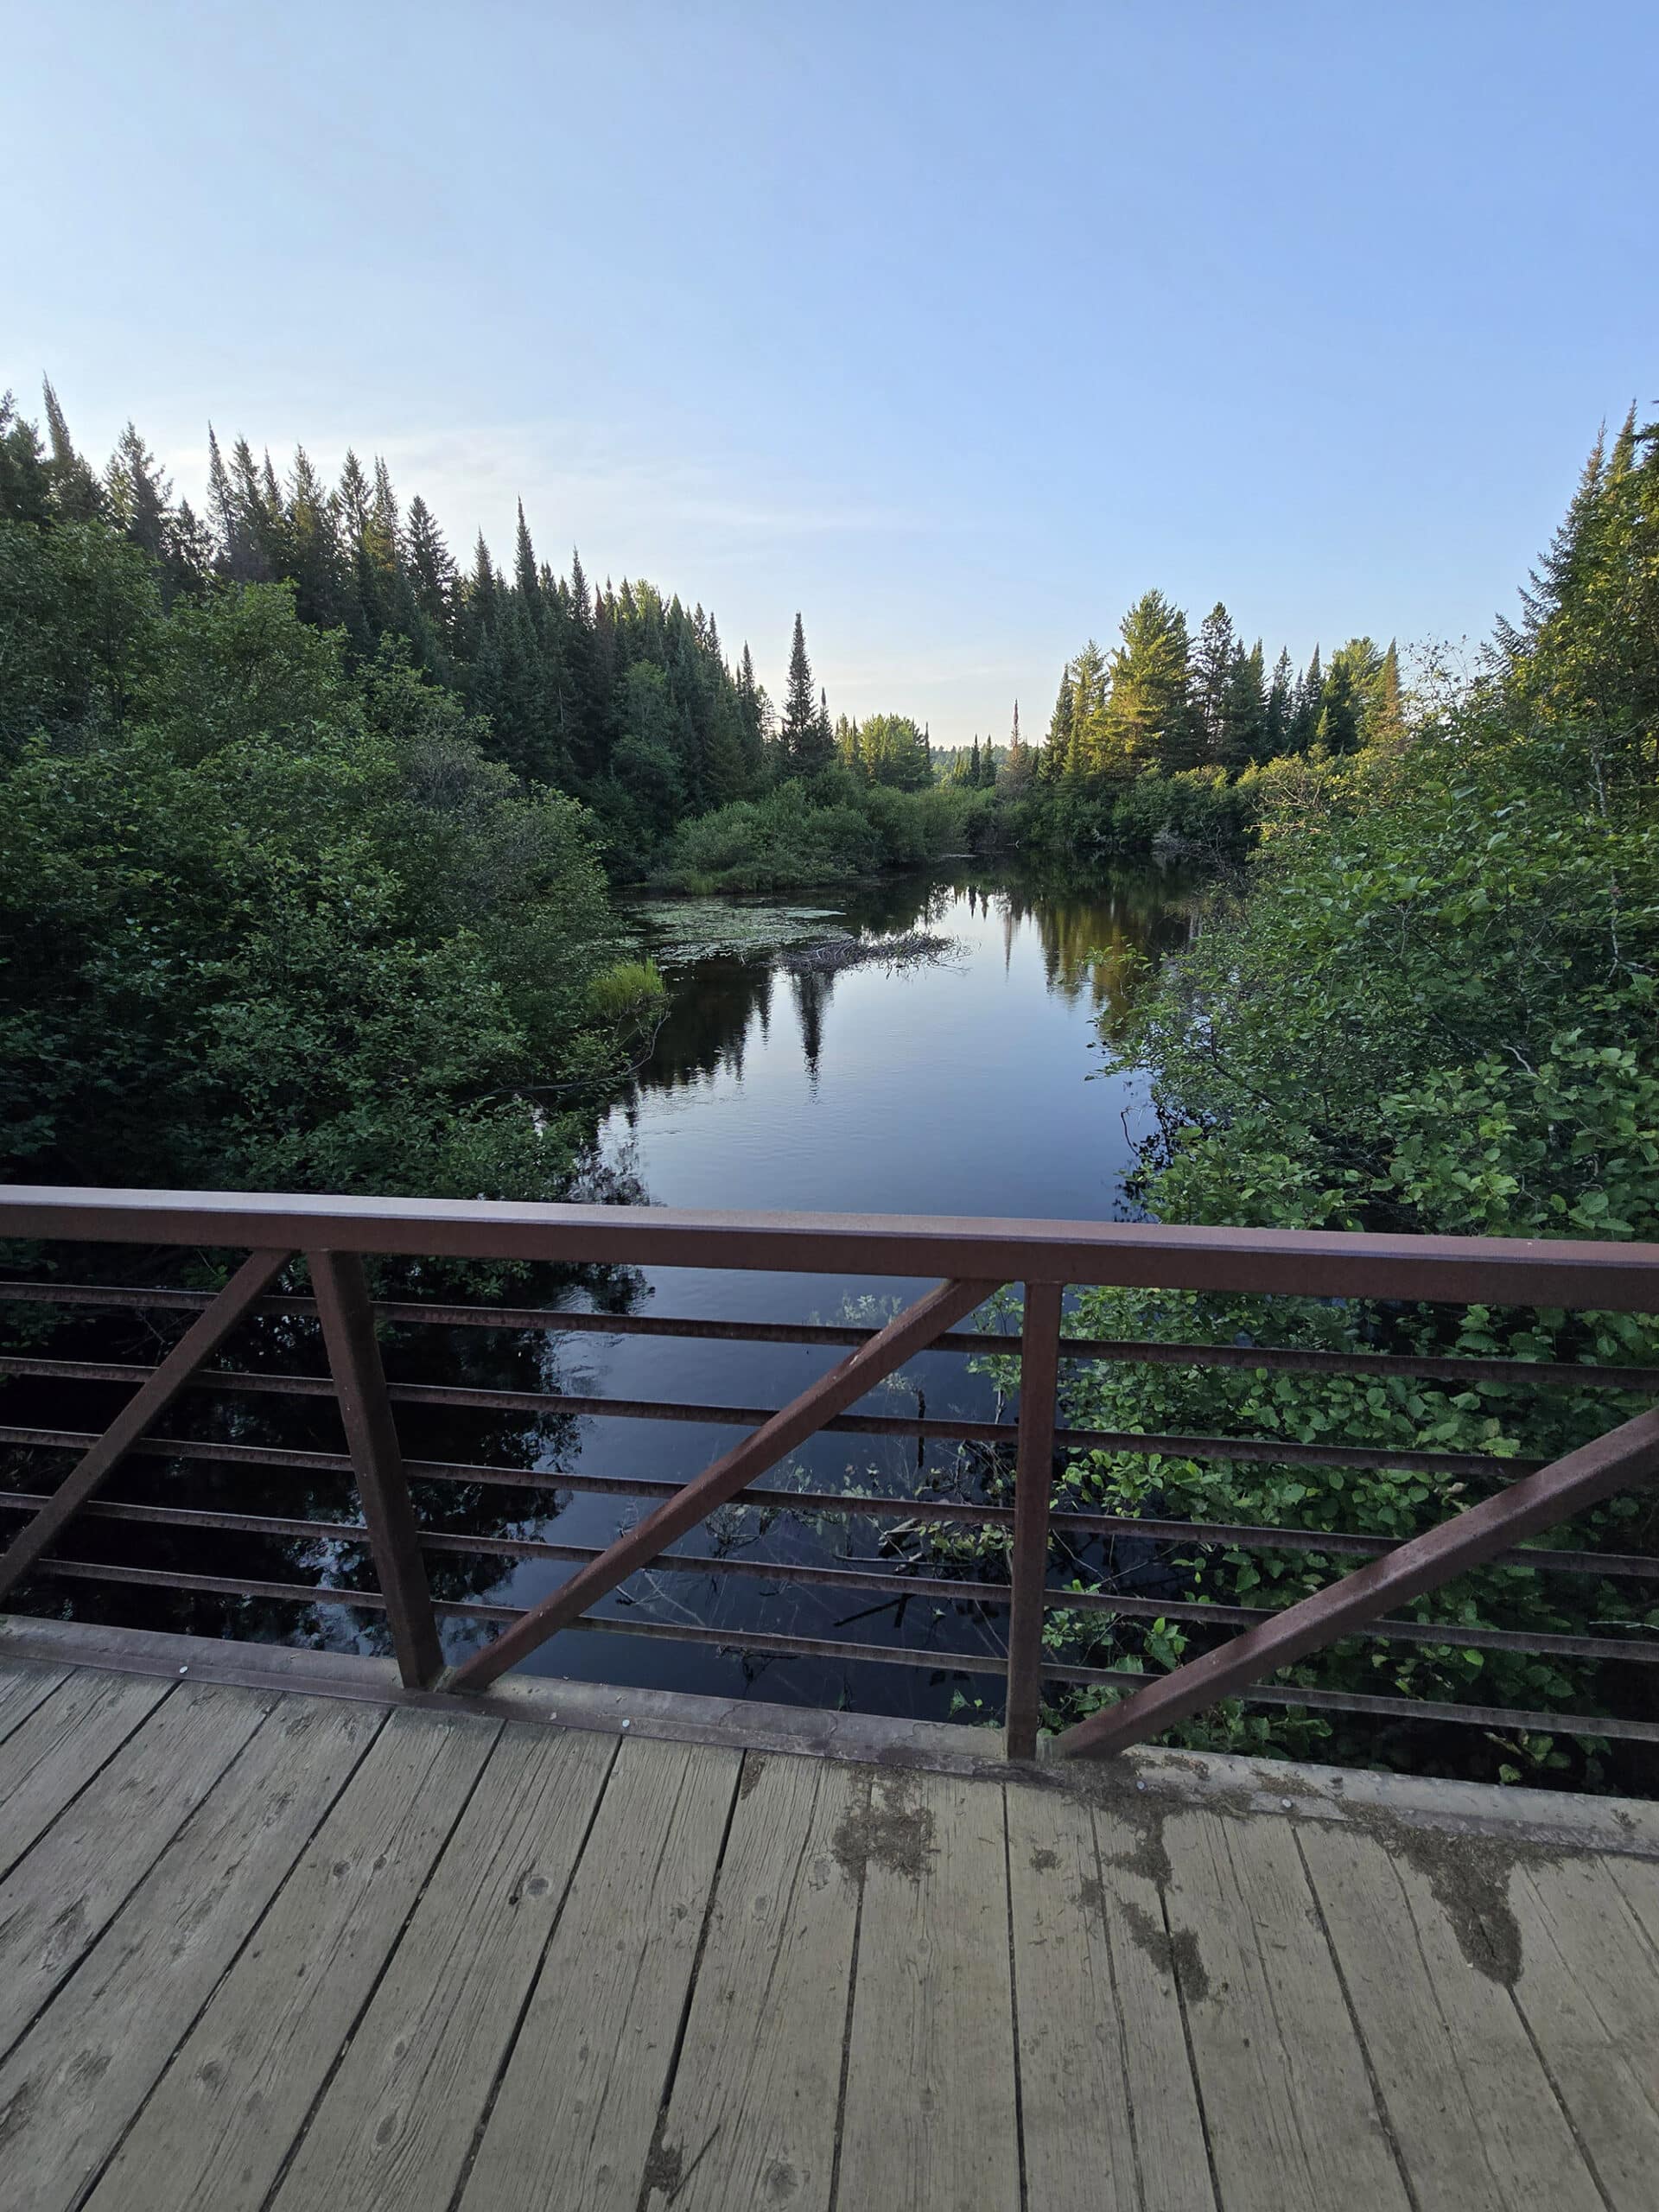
column 891, row 1579
column 1274, row 1450
column 917, row 1507
column 949, row 1662
column 1154, row 1256
column 1122, row 1350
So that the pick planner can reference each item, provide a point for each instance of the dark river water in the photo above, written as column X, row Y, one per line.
column 975, row 1083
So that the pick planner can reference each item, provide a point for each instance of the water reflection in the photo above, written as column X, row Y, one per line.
column 956, row 1088
column 1097, row 940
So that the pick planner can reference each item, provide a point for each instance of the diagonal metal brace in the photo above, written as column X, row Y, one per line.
column 910, row 1332
column 1624, row 1456
column 199, row 1343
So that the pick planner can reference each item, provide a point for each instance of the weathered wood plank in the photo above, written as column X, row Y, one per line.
column 574, row 2122
column 56, row 1902
column 63, row 1743
column 22, row 1689
column 1147, row 1958
column 213, row 2134
column 751, row 2120
column 1109, row 2114
column 1590, row 1993
column 89, row 2061
column 1292, row 2122
column 1637, row 1882
column 1472, row 2111
column 397, row 2123
column 930, row 2117
column 1078, row 2135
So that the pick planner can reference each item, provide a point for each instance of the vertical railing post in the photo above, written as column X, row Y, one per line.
column 1040, row 1360
column 347, row 1316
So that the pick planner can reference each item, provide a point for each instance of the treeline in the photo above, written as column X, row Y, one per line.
column 1163, row 699
column 1430, row 1011
column 1160, row 745
column 613, row 694
column 273, row 911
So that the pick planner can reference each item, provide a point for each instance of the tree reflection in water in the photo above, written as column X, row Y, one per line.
column 869, row 1111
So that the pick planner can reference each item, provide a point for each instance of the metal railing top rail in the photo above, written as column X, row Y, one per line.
column 1320, row 1263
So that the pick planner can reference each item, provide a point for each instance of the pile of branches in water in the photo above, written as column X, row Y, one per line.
column 908, row 950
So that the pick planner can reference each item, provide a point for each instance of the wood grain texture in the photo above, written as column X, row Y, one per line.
column 1472, row 2110
column 397, row 2123
column 930, row 2114
column 1079, row 2137
column 751, row 2120
column 275, row 1950
column 22, row 1689
column 101, row 2044
column 68, row 1738
column 213, row 2135
column 1292, row 2121
column 1589, row 1991
column 574, row 2119
column 1150, row 1951
column 58, row 1899
column 1109, row 2110
column 1637, row 1882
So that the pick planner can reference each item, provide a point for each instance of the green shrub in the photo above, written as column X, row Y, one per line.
column 832, row 829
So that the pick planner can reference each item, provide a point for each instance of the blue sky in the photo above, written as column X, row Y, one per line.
column 955, row 326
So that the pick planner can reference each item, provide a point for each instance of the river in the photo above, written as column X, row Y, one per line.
column 975, row 1084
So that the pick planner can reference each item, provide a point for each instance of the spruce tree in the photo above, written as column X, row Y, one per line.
column 314, row 562
column 581, row 604
column 431, row 570
column 1215, row 659
column 1282, row 693
column 1351, row 685
column 139, row 497
column 193, row 551
column 1585, row 651
column 1058, row 750
column 806, row 744
column 256, row 531
column 754, row 712
column 1244, row 726
column 1389, row 716
column 1306, row 708
column 71, row 482
column 25, row 485
column 1150, row 717
column 523, row 570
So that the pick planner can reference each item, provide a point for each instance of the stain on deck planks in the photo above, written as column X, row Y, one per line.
column 930, row 2119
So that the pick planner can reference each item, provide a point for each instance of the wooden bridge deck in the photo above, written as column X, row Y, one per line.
column 265, row 1949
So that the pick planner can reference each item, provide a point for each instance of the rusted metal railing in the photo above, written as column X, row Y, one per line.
column 331, row 1237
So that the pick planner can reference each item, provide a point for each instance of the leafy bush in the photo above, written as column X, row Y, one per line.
column 265, row 922
column 1194, row 814
column 1433, row 1012
column 830, row 830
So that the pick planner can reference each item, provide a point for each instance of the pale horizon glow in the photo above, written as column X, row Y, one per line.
column 956, row 327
